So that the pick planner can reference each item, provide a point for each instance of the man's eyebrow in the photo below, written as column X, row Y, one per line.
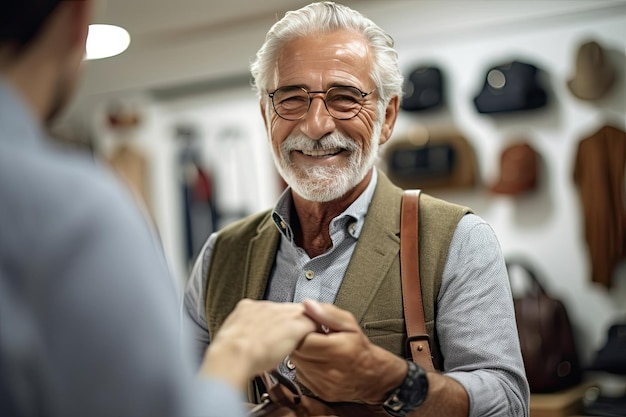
column 306, row 86
column 295, row 86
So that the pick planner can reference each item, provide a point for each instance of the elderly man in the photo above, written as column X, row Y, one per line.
column 329, row 88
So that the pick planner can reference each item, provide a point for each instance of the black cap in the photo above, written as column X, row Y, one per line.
column 511, row 87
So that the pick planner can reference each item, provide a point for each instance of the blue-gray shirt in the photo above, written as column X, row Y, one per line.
column 89, row 317
column 484, row 357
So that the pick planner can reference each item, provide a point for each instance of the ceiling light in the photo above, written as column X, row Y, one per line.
column 104, row 41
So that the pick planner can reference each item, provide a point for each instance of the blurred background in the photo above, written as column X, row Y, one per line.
column 175, row 115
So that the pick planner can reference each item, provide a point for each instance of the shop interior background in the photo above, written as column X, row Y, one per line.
column 185, row 81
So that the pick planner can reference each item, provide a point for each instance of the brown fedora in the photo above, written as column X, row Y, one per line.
column 518, row 170
column 594, row 73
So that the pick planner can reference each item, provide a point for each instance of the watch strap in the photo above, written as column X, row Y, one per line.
column 410, row 394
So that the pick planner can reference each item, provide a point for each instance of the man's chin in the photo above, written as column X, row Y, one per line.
column 320, row 191
column 321, row 184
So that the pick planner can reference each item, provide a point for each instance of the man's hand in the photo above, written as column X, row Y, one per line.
column 254, row 338
column 339, row 363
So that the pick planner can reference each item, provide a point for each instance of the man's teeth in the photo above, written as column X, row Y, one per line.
column 321, row 152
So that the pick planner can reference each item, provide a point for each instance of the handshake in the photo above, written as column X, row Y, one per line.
column 325, row 343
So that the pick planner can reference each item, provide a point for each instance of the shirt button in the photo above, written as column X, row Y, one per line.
column 309, row 274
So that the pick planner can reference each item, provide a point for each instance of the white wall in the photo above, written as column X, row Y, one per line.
column 545, row 226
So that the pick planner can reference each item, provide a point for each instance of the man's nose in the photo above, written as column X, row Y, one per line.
column 317, row 123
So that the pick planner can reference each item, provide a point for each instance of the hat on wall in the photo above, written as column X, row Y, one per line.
column 511, row 87
column 518, row 170
column 423, row 89
column 430, row 158
column 594, row 74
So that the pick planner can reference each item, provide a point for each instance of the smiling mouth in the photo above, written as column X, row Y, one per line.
column 322, row 153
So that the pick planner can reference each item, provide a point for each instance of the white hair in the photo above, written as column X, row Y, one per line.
column 328, row 17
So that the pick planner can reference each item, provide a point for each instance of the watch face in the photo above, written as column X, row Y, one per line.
column 410, row 394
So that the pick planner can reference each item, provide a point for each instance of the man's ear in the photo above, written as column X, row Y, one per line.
column 391, row 114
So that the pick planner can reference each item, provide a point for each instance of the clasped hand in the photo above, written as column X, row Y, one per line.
column 339, row 363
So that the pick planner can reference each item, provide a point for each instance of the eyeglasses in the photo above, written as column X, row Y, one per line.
column 342, row 103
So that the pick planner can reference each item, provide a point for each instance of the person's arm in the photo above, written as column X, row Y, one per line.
column 476, row 324
column 254, row 338
column 110, row 312
column 193, row 316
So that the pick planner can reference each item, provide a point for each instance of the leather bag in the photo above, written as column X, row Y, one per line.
column 285, row 398
column 547, row 341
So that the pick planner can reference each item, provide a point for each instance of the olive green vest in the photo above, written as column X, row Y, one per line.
column 244, row 254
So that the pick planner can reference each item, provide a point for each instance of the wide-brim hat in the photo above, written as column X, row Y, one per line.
column 594, row 74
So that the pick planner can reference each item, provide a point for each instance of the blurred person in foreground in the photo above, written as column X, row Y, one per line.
column 329, row 88
column 89, row 317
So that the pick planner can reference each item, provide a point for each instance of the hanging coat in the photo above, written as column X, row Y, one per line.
column 599, row 175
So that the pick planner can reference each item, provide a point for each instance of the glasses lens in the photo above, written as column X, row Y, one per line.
column 344, row 102
column 291, row 103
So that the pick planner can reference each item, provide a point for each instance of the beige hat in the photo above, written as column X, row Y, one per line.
column 594, row 73
column 431, row 158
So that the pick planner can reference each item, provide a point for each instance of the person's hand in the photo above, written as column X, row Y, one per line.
column 254, row 338
column 339, row 363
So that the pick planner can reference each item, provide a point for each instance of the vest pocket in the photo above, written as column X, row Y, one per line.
column 384, row 327
column 388, row 334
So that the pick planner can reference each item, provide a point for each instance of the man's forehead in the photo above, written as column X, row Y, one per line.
column 333, row 43
column 334, row 56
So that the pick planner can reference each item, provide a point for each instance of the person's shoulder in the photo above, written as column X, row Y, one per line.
column 472, row 226
column 58, row 208
column 90, row 182
column 57, row 189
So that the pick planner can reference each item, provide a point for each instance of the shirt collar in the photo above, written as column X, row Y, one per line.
column 354, row 215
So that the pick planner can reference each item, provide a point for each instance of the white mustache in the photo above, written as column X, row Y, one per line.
column 328, row 145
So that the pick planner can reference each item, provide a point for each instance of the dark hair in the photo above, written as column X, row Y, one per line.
column 21, row 20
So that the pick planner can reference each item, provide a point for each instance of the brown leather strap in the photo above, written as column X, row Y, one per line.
column 418, row 342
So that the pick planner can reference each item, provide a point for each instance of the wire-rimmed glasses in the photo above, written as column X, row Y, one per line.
column 341, row 102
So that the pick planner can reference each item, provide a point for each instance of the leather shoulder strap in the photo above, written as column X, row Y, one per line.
column 418, row 342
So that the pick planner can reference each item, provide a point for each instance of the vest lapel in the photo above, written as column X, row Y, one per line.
column 377, row 248
column 260, row 259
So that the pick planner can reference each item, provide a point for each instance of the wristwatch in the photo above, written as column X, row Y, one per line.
column 410, row 394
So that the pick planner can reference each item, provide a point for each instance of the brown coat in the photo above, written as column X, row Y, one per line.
column 599, row 174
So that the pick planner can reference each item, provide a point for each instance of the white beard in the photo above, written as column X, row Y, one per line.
column 326, row 183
